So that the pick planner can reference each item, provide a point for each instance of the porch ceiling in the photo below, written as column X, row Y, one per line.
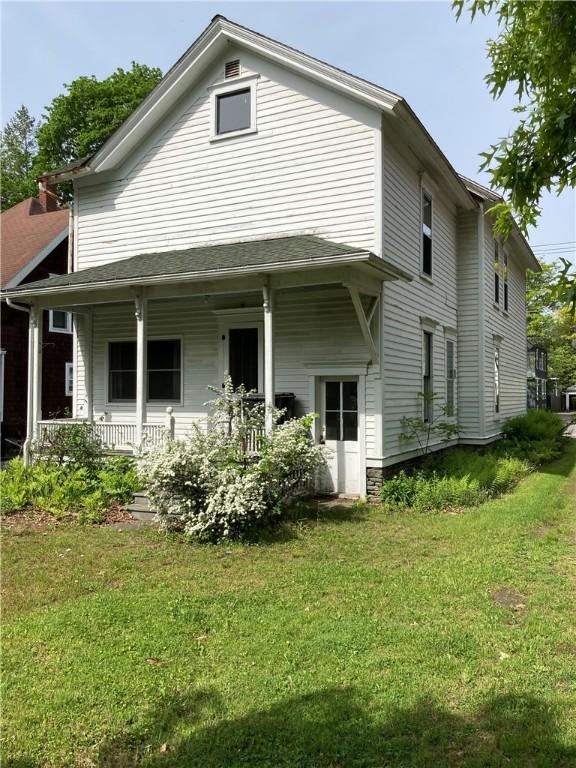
column 303, row 255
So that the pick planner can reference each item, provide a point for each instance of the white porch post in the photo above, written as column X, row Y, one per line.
column 141, row 341
column 37, row 375
column 33, row 390
column 268, row 303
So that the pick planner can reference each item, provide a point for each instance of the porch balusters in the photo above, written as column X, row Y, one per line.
column 141, row 311
column 268, row 304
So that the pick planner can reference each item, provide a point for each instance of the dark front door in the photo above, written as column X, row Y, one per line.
column 243, row 357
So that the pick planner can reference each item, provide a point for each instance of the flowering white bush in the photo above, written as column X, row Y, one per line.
column 214, row 486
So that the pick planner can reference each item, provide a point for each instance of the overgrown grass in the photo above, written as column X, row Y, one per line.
column 352, row 638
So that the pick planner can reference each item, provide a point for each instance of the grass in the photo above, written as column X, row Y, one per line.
column 353, row 638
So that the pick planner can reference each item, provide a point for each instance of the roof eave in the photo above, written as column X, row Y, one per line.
column 384, row 269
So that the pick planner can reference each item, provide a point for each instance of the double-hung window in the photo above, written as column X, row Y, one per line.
column 426, row 233
column 163, row 375
column 506, row 274
column 496, row 381
column 427, row 375
column 450, row 378
column 496, row 273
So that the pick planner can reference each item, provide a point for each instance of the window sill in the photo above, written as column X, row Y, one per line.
column 60, row 330
column 496, row 306
column 427, row 278
column 232, row 135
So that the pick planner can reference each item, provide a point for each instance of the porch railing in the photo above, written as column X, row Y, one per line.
column 114, row 435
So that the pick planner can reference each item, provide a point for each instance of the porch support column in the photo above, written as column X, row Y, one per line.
column 34, row 389
column 268, row 304
column 141, row 342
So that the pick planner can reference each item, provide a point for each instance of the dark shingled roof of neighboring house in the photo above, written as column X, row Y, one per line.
column 26, row 230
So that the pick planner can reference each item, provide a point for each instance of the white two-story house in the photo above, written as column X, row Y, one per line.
column 267, row 215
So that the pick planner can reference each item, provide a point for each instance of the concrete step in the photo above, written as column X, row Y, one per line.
column 145, row 516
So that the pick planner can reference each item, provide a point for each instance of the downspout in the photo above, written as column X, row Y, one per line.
column 70, row 264
column 481, row 326
column 19, row 307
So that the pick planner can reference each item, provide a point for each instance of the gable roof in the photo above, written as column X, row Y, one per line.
column 28, row 235
column 493, row 198
column 209, row 262
column 210, row 44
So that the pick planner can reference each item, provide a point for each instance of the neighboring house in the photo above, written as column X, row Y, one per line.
column 267, row 214
column 537, row 375
column 569, row 396
column 34, row 242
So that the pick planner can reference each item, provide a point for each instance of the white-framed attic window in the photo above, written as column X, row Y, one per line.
column 233, row 108
column 60, row 321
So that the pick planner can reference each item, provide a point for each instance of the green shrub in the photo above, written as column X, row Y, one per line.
column 399, row 491
column 72, row 443
column 534, row 425
column 65, row 489
column 457, row 477
column 447, row 492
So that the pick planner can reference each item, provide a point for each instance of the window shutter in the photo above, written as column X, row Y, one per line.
column 232, row 69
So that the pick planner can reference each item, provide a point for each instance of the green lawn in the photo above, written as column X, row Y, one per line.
column 353, row 638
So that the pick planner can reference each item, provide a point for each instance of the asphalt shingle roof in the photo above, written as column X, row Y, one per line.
column 26, row 229
column 251, row 255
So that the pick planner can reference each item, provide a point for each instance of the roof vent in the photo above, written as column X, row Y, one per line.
column 232, row 69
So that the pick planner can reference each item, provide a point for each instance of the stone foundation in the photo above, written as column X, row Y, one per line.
column 377, row 476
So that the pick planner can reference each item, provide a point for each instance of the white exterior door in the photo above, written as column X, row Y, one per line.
column 340, row 434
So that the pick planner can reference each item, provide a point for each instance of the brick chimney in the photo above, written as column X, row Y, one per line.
column 47, row 196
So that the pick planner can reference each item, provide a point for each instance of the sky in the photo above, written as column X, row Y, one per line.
column 416, row 49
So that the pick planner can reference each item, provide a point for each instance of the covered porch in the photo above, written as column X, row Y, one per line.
column 154, row 331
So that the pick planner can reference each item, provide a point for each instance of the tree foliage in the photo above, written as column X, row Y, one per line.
column 535, row 53
column 550, row 320
column 78, row 122
column 18, row 149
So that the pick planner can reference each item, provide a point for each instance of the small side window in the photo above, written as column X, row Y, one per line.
column 69, row 380
column 496, row 273
column 427, row 376
column 506, row 273
column 426, row 233
column 496, row 381
column 450, row 379
column 59, row 321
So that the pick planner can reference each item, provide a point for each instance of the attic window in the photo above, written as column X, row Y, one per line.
column 233, row 111
column 232, row 69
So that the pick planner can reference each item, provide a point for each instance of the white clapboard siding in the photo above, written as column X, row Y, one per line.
column 511, row 327
column 309, row 168
column 406, row 303
column 311, row 327
column 469, row 382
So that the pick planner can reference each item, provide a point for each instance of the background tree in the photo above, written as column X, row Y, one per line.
column 535, row 52
column 79, row 121
column 18, row 149
column 549, row 321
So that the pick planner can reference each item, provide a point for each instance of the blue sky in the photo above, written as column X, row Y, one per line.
column 416, row 49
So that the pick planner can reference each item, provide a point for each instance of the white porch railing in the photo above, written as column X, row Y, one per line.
column 114, row 435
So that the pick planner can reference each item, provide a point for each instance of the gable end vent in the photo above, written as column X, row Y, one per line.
column 232, row 69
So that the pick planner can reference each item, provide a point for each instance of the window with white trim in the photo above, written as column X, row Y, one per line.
column 60, row 321
column 69, row 379
column 506, row 274
column 450, row 377
column 496, row 272
column 496, row 381
column 427, row 340
column 426, row 233
column 233, row 107
column 163, row 374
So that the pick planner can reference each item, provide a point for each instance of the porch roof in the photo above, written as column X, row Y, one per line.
column 215, row 261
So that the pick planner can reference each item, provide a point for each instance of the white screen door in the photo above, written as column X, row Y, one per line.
column 340, row 434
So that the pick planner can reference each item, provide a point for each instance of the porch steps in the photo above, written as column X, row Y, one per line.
column 140, row 508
